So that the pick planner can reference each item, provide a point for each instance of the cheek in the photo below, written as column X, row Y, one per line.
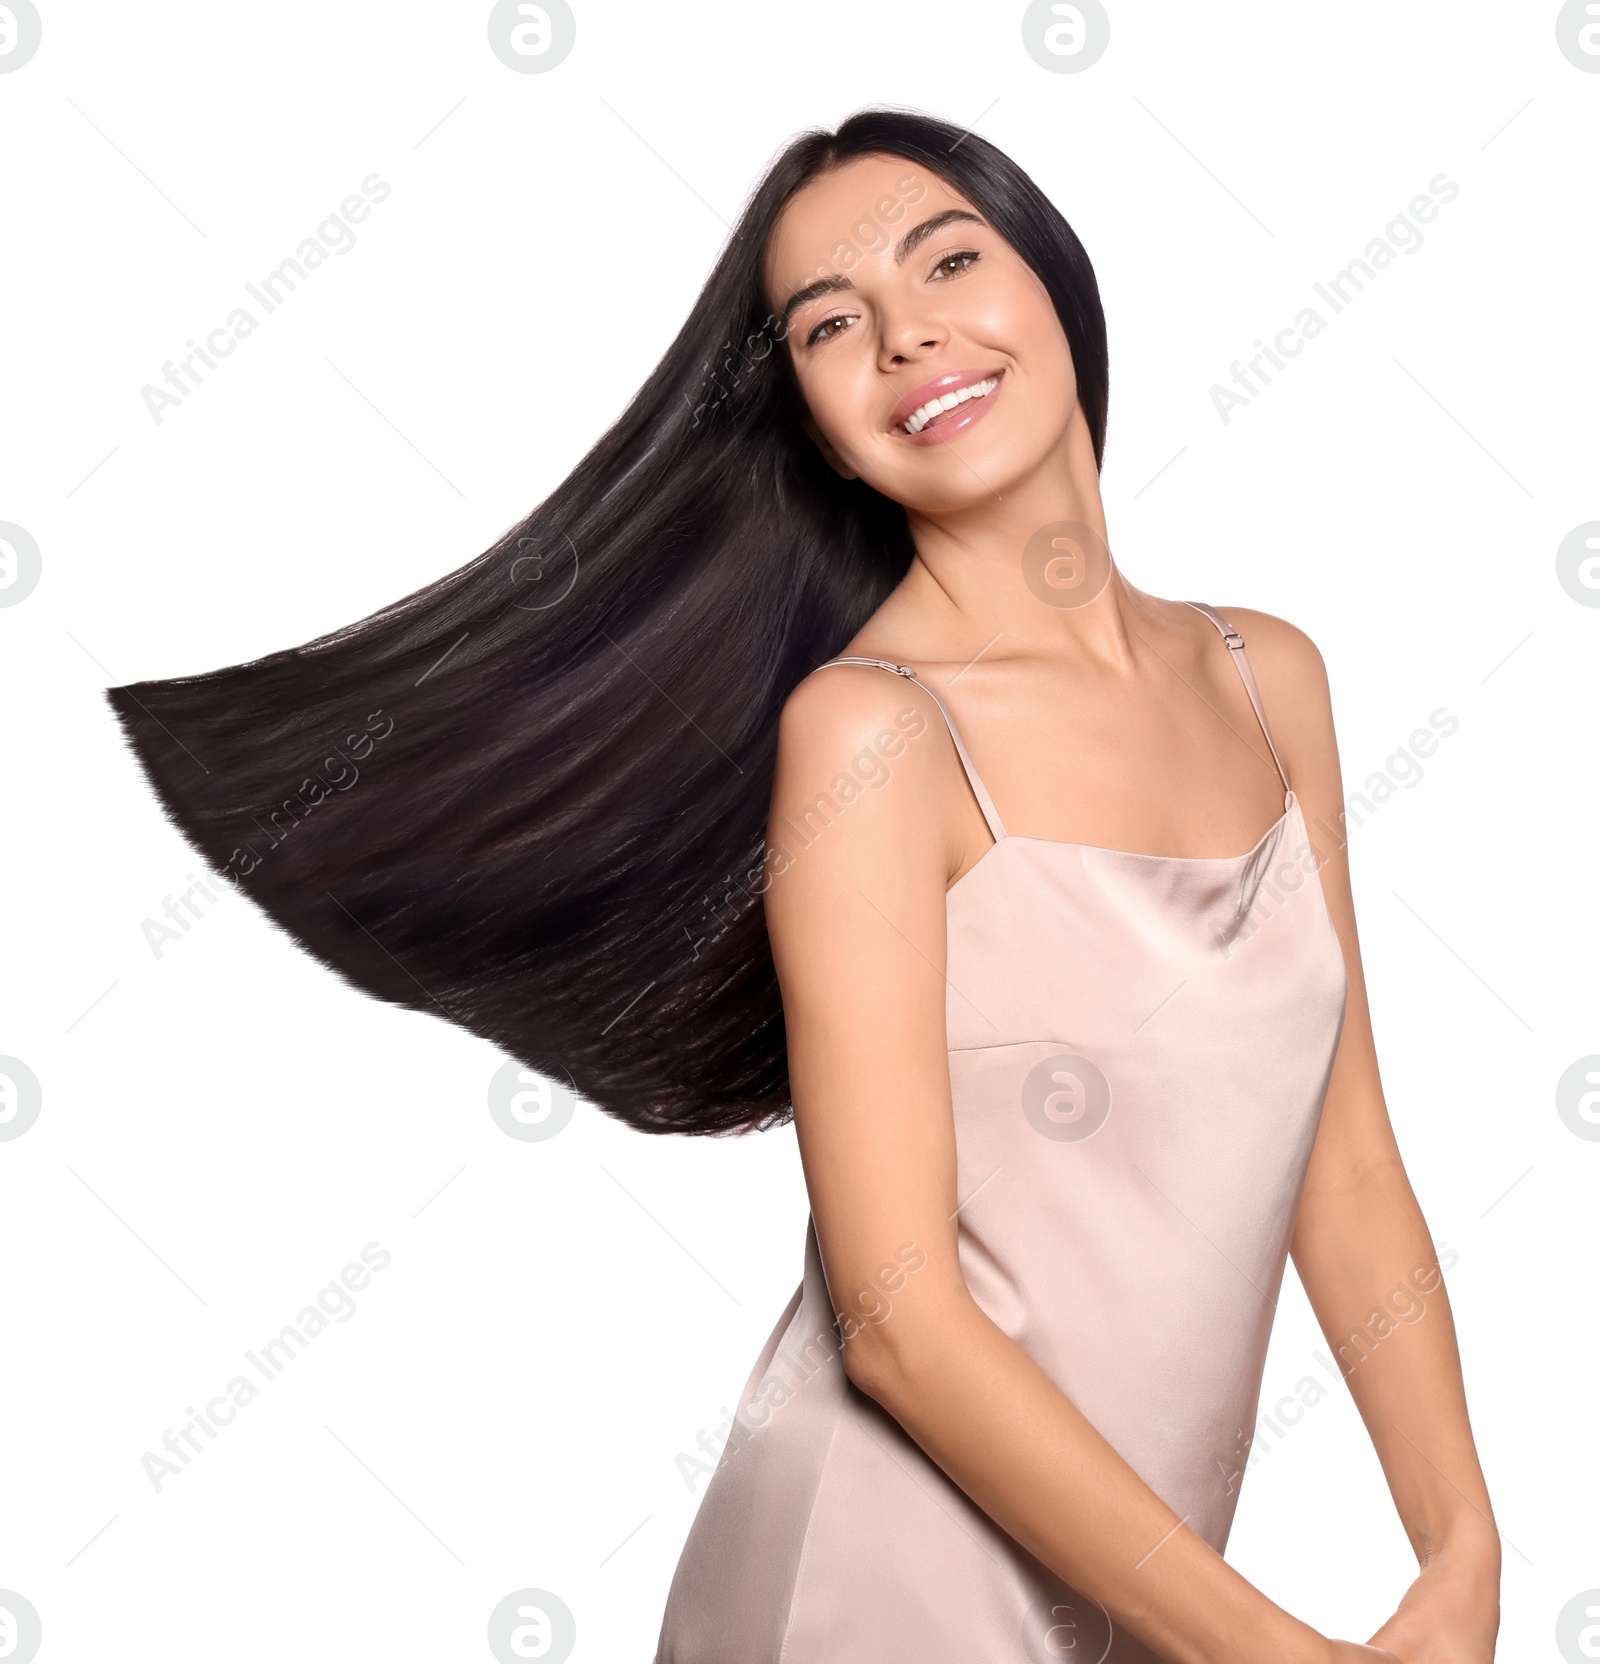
column 841, row 402
column 1023, row 318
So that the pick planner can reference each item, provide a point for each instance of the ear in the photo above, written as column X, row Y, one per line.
column 829, row 455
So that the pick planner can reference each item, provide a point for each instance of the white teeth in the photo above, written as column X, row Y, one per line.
column 919, row 418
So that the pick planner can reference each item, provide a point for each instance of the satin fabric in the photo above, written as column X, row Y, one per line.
column 1139, row 1048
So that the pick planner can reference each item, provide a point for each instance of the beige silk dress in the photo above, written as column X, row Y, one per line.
column 1139, row 1047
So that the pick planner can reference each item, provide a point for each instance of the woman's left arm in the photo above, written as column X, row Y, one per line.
column 1361, row 1246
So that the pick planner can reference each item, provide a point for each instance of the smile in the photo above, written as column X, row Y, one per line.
column 937, row 412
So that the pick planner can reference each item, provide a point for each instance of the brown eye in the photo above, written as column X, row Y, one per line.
column 817, row 334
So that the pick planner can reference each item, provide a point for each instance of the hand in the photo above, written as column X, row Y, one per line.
column 1451, row 1613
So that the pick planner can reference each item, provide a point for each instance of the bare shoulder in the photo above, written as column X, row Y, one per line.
column 840, row 704
column 1278, row 650
column 1276, row 644
column 834, row 716
column 1288, row 665
column 854, row 752
column 1292, row 678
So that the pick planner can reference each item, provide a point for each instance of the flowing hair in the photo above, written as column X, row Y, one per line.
column 531, row 798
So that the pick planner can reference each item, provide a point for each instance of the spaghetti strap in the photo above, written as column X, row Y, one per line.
column 1236, row 642
column 980, row 791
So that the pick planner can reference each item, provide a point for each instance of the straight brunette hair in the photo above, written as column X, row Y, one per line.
column 531, row 798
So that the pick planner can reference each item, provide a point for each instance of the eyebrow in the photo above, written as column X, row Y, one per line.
column 904, row 249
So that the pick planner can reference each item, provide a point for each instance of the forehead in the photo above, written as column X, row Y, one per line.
column 850, row 213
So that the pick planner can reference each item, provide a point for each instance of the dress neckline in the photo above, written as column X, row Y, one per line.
column 1235, row 644
column 1290, row 803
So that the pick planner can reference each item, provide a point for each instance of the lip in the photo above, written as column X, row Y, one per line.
column 961, row 417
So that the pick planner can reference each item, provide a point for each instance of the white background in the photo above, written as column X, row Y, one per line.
column 225, row 1126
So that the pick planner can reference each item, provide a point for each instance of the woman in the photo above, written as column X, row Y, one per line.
column 1064, row 1107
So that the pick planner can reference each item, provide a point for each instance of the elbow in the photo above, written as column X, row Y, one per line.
column 894, row 1360
column 863, row 1362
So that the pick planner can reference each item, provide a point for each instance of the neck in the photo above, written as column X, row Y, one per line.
column 1025, row 571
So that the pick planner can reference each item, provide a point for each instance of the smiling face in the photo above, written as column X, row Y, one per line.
column 930, row 357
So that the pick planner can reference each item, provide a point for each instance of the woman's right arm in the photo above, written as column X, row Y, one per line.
column 857, row 924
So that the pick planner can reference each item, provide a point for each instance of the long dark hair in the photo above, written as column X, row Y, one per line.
column 531, row 798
